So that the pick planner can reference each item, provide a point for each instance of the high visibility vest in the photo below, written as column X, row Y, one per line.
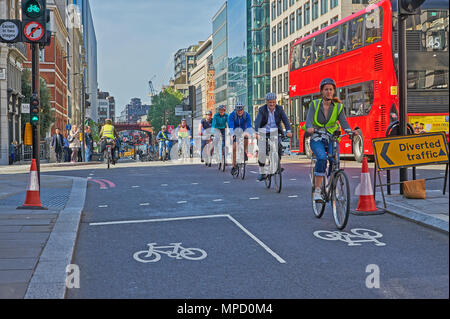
column 108, row 131
column 182, row 131
column 332, row 124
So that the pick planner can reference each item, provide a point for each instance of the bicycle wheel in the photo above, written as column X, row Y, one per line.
column 318, row 207
column 108, row 159
column 277, row 177
column 340, row 199
column 223, row 160
column 243, row 170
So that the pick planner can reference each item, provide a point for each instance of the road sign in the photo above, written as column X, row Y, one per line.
column 411, row 150
column 33, row 31
column 68, row 127
column 170, row 129
column 10, row 30
column 26, row 108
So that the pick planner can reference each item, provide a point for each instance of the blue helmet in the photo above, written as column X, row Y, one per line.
column 239, row 106
column 222, row 107
column 327, row 81
column 271, row 96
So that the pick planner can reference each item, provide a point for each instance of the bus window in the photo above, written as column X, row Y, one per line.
column 295, row 58
column 343, row 37
column 355, row 33
column 360, row 99
column 306, row 100
column 319, row 50
column 374, row 25
column 307, row 53
column 332, row 42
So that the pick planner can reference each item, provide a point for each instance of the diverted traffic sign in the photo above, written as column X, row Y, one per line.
column 411, row 150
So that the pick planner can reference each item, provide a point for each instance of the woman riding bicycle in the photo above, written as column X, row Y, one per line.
column 323, row 115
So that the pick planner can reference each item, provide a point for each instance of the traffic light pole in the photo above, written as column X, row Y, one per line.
column 83, row 114
column 36, row 88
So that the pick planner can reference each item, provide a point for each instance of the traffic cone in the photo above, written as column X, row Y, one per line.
column 366, row 202
column 33, row 198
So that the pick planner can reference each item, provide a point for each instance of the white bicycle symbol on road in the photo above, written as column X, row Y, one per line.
column 174, row 250
column 360, row 235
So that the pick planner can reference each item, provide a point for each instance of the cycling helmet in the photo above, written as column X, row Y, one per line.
column 327, row 81
column 222, row 107
column 239, row 106
column 271, row 96
column 183, row 120
column 163, row 127
column 209, row 113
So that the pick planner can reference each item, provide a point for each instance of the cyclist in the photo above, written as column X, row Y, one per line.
column 108, row 132
column 219, row 122
column 324, row 113
column 163, row 137
column 268, row 121
column 184, row 136
column 239, row 118
column 205, row 124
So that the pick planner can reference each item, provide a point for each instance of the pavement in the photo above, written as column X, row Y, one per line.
column 36, row 246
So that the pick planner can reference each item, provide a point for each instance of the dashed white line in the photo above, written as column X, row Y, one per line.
column 217, row 200
column 103, row 206
column 135, row 186
column 254, row 198
column 293, row 196
column 194, row 183
column 355, row 177
column 253, row 172
column 164, row 185
column 293, row 179
column 144, row 204
column 226, row 182
column 182, row 202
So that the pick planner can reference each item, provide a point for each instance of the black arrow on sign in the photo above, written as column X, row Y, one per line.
column 384, row 156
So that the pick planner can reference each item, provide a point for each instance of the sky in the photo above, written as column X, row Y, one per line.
column 136, row 40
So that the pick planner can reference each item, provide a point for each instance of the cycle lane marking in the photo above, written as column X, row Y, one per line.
column 355, row 238
column 239, row 225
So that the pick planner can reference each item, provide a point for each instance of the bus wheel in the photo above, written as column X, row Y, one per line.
column 307, row 147
column 358, row 146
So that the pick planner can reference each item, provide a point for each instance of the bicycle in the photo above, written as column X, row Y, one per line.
column 274, row 162
column 335, row 187
column 164, row 153
column 184, row 148
column 175, row 250
column 220, row 155
column 107, row 153
column 241, row 163
column 209, row 149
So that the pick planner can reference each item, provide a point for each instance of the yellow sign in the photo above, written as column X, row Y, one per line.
column 394, row 90
column 411, row 150
column 430, row 123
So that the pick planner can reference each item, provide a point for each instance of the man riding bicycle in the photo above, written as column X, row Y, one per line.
column 108, row 132
column 204, row 125
column 184, row 137
column 219, row 122
column 323, row 115
column 268, row 121
column 163, row 137
column 239, row 119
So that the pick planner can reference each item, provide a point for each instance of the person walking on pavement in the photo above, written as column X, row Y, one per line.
column 12, row 152
column 205, row 124
column 67, row 151
column 89, row 143
column 58, row 145
column 74, row 143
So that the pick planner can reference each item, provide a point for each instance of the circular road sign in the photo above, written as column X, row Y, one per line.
column 9, row 31
column 33, row 31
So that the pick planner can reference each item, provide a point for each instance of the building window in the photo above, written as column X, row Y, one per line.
column 315, row 9
column 323, row 25
column 274, row 10
column 274, row 35
column 360, row 1
column 334, row 19
column 286, row 82
column 307, row 13
column 323, row 6
column 274, row 84
column 274, row 61
column 334, row 3
column 285, row 28
column 285, row 5
column 280, row 83
column 285, row 55
column 280, row 60
column 292, row 23
column 291, row 2
column 278, row 8
column 299, row 18
column 279, row 32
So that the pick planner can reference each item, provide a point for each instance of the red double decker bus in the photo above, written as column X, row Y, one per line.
column 360, row 53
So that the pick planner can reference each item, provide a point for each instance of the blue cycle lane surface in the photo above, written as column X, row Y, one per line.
column 258, row 244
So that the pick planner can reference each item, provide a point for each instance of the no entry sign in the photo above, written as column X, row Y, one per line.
column 33, row 31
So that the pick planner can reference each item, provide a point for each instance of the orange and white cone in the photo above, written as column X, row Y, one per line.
column 366, row 202
column 33, row 198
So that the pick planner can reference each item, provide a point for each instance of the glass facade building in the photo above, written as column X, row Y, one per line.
column 220, row 54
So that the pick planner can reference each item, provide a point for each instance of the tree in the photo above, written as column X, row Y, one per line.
column 162, row 111
column 46, row 116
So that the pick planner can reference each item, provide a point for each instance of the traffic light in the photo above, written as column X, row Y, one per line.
column 34, row 109
column 86, row 98
column 34, row 20
column 409, row 7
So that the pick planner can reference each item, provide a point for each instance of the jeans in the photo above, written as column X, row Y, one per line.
column 320, row 150
column 88, row 154
column 186, row 141
column 161, row 147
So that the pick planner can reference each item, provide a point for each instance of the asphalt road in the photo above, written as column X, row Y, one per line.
column 250, row 242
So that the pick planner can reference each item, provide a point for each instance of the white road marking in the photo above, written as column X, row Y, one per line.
column 103, row 206
column 144, row 204
column 135, row 186
column 293, row 196
column 91, row 174
column 270, row 251
column 253, row 198
column 194, row 183
column 164, row 185
column 226, row 182
column 253, row 172
column 182, row 202
column 355, row 177
column 217, row 200
column 293, row 179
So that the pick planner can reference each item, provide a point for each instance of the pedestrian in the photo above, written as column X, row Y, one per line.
column 58, row 145
column 67, row 150
column 12, row 152
column 89, row 143
column 74, row 143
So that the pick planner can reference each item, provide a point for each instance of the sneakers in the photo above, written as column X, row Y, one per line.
column 261, row 177
column 234, row 170
column 317, row 196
